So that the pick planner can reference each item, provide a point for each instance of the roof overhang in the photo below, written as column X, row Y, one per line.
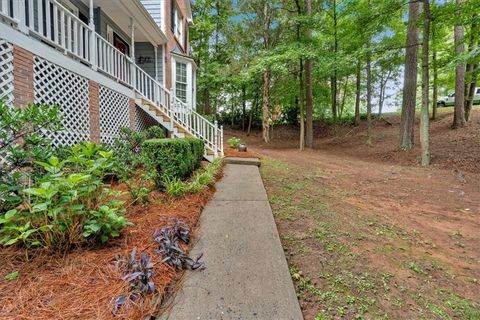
column 120, row 11
column 185, row 58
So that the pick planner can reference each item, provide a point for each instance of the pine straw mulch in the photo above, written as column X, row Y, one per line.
column 234, row 153
column 83, row 283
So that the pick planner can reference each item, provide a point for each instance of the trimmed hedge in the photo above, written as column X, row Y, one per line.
column 174, row 158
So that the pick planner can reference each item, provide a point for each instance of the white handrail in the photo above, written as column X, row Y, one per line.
column 53, row 23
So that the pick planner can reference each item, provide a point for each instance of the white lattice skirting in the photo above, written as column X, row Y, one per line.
column 6, row 71
column 143, row 120
column 55, row 85
column 113, row 114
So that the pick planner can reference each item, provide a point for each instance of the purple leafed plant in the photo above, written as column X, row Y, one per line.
column 139, row 275
column 168, row 239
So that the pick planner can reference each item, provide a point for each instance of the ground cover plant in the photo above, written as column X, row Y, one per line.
column 200, row 180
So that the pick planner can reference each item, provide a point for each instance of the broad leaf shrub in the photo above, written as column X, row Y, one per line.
column 22, row 142
column 67, row 206
column 234, row 142
column 174, row 158
column 200, row 180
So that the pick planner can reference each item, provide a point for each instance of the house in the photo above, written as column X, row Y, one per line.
column 108, row 63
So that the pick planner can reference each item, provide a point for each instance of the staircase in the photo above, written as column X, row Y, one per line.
column 176, row 116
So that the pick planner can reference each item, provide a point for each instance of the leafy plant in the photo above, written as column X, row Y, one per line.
column 200, row 180
column 67, row 206
column 174, row 158
column 22, row 142
column 11, row 276
column 139, row 275
column 168, row 240
column 234, row 142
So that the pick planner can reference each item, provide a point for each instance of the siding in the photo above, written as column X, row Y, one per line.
column 145, row 59
column 154, row 7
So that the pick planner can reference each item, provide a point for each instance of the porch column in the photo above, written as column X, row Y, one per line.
column 155, row 49
column 132, row 53
column 93, row 38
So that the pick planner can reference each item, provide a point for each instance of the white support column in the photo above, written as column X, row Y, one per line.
column 215, row 139
column 155, row 49
column 93, row 38
column 132, row 52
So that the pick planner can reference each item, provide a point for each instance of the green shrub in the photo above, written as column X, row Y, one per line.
column 67, row 206
column 234, row 142
column 200, row 180
column 174, row 158
column 21, row 144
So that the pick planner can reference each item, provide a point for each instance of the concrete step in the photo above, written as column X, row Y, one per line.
column 243, row 161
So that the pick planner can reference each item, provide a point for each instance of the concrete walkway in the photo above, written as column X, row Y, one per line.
column 246, row 275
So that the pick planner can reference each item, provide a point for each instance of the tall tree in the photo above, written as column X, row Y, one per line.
column 266, row 75
column 407, row 122
column 471, row 68
column 435, row 68
column 308, row 85
column 424, row 117
column 459, row 108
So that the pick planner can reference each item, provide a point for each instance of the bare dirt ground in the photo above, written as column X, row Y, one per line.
column 368, row 233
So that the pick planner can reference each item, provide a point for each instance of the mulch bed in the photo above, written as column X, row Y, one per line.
column 83, row 283
column 234, row 153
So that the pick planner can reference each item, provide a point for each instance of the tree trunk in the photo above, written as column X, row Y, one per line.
column 471, row 71
column 459, row 108
column 381, row 97
column 471, row 93
column 344, row 98
column 308, row 87
column 435, row 72
column 410, row 80
column 252, row 111
column 424, row 117
column 206, row 101
column 244, row 106
column 369, row 95
column 301, row 107
column 266, row 109
column 335, row 51
column 357, row 94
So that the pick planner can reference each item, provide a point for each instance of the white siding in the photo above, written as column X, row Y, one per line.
column 154, row 7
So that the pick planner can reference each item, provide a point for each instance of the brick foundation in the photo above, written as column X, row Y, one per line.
column 94, row 100
column 23, row 88
column 132, row 113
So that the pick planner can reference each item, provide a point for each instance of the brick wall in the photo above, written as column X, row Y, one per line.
column 132, row 113
column 23, row 91
column 94, row 100
column 172, row 41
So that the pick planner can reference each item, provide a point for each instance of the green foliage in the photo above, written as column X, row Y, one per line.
column 68, row 205
column 174, row 158
column 129, row 156
column 11, row 276
column 21, row 144
column 234, row 142
column 201, row 179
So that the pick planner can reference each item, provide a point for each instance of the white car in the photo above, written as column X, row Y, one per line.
column 450, row 99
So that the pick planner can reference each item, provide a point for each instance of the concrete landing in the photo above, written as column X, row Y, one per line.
column 246, row 275
column 244, row 161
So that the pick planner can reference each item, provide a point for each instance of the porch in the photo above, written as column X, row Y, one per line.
column 122, row 52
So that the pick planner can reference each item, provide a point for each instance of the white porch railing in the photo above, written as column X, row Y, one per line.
column 56, row 25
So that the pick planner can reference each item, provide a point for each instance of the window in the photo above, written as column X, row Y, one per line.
column 181, row 81
column 177, row 23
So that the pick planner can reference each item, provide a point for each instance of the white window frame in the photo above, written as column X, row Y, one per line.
column 110, row 34
column 190, row 81
column 178, row 32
